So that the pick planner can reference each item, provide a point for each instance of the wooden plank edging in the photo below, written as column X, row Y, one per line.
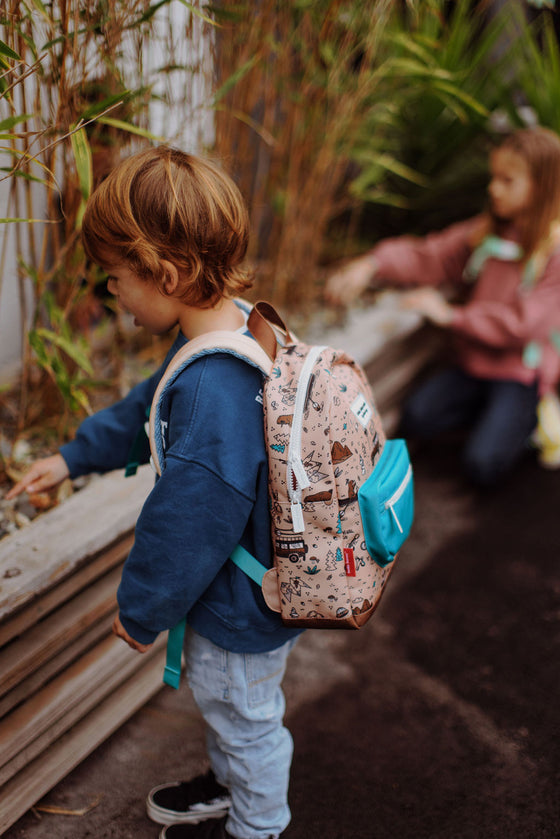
column 35, row 559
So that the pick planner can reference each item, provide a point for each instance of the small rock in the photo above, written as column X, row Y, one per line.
column 21, row 520
column 21, row 451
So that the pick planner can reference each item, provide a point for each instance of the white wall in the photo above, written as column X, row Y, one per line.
column 10, row 331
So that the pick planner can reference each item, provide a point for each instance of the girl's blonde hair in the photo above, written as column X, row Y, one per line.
column 540, row 148
column 164, row 204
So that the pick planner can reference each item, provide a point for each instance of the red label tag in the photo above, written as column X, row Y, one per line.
column 349, row 564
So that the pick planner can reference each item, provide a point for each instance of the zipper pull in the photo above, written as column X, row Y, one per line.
column 297, row 517
column 392, row 509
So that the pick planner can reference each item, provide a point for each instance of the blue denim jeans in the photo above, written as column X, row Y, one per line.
column 241, row 699
column 500, row 417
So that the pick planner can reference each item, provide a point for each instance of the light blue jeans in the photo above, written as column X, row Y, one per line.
column 241, row 699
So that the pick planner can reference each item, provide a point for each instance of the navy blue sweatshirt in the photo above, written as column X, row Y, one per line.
column 212, row 495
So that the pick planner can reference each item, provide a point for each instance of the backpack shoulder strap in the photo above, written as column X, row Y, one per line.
column 235, row 343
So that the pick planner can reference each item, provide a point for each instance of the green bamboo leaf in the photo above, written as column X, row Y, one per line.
column 235, row 78
column 198, row 13
column 100, row 107
column 82, row 156
column 132, row 129
column 466, row 98
column 17, row 173
column 26, row 220
column 80, row 399
column 148, row 14
column 390, row 164
column 8, row 52
column 245, row 118
column 69, row 346
column 41, row 8
column 414, row 46
column 389, row 199
column 6, row 124
column 412, row 69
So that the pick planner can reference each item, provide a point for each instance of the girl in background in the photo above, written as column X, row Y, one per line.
column 507, row 332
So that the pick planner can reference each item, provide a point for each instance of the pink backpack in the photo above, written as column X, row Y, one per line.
column 340, row 494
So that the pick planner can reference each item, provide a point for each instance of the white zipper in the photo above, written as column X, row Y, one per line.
column 295, row 469
column 389, row 505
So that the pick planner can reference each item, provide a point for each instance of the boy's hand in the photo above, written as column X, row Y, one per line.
column 121, row 632
column 346, row 285
column 430, row 303
column 43, row 474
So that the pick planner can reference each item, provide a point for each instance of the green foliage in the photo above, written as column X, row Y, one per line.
column 536, row 58
column 446, row 80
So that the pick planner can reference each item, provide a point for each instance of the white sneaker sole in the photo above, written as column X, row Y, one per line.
column 215, row 809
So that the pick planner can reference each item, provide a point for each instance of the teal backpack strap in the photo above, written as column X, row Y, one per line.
column 247, row 562
column 175, row 640
column 138, row 450
column 176, row 636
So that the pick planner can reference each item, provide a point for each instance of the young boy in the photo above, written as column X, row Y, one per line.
column 171, row 231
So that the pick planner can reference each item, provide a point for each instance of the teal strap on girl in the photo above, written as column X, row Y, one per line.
column 491, row 247
column 529, row 277
column 555, row 340
column 247, row 562
column 532, row 355
column 175, row 640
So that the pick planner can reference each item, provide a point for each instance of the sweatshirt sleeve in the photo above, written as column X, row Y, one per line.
column 532, row 316
column 435, row 259
column 200, row 506
column 103, row 441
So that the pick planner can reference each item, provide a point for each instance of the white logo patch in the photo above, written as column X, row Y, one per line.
column 362, row 409
column 163, row 433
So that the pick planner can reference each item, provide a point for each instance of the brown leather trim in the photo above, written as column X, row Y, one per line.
column 260, row 324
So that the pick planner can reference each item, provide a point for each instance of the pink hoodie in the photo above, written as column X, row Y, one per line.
column 499, row 317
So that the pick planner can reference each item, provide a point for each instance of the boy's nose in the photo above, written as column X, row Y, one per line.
column 111, row 287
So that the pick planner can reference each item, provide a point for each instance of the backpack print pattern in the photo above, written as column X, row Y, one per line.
column 324, row 437
column 324, row 575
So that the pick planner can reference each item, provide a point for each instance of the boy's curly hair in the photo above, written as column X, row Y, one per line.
column 165, row 204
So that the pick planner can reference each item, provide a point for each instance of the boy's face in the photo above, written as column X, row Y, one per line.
column 150, row 307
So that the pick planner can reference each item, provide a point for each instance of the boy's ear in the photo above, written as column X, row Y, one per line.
column 170, row 277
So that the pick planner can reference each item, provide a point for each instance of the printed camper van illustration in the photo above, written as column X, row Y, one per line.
column 290, row 545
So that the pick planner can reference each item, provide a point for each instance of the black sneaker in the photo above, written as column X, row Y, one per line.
column 188, row 802
column 206, row 830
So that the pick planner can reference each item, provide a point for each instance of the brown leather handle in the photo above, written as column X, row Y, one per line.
column 266, row 325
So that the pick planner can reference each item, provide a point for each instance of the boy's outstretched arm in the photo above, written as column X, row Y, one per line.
column 44, row 474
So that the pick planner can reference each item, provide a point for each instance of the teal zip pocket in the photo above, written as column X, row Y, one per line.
column 386, row 503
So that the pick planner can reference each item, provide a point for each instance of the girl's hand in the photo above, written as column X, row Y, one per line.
column 347, row 284
column 430, row 303
column 43, row 474
column 120, row 632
